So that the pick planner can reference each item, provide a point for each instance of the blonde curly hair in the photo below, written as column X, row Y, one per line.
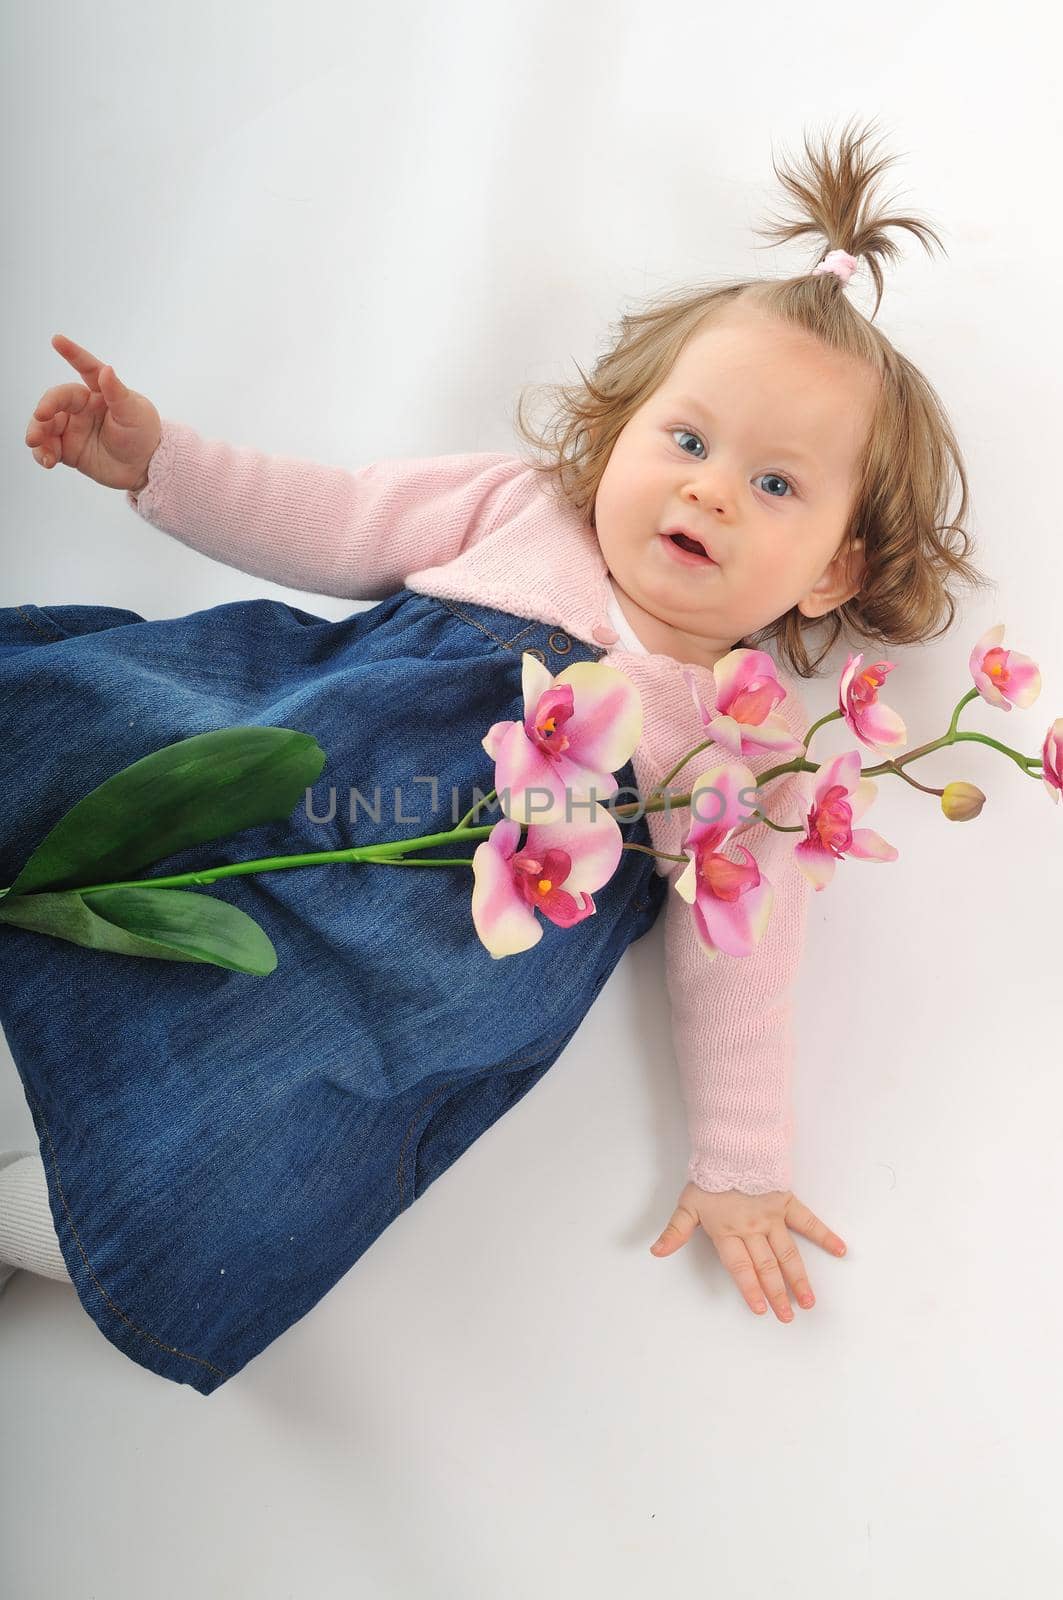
column 911, row 462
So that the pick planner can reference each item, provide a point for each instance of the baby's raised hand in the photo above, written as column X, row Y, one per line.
column 98, row 427
column 751, row 1239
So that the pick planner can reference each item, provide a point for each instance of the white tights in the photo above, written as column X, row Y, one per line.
column 27, row 1232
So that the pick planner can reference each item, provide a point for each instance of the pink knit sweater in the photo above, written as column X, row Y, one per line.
column 482, row 527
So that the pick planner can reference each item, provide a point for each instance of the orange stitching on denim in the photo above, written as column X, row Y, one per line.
column 169, row 1348
column 516, row 1061
column 35, row 624
column 507, row 644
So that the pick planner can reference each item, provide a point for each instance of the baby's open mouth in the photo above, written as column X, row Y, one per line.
column 692, row 545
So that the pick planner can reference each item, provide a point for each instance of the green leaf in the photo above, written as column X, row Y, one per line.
column 207, row 787
column 161, row 924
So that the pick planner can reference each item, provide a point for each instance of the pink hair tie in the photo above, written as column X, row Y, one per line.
column 839, row 261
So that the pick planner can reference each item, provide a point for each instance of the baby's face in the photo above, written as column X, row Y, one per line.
column 752, row 442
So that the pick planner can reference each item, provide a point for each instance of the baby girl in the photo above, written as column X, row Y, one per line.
column 750, row 462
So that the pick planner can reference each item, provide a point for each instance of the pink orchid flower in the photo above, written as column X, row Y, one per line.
column 578, row 729
column 747, row 692
column 865, row 716
column 555, row 873
column 1003, row 677
column 1052, row 760
column 841, row 797
column 732, row 902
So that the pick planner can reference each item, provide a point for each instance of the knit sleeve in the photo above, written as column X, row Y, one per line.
column 355, row 533
column 732, row 1020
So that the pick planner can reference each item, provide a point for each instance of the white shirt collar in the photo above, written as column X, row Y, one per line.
column 628, row 637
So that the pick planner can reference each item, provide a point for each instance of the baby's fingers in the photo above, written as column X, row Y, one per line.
column 63, row 420
column 736, row 1258
column 63, row 397
column 789, row 1258
column 81, row 359
column 802, row 1220
column 44, row 435
column 45, row 439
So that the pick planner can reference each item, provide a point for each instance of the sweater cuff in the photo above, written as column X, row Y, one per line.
column 146, row 502
column 714, row 1179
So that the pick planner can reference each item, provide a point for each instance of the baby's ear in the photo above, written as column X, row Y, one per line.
column 840, row 581
column 853, row 565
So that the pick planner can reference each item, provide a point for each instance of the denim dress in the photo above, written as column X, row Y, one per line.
column 221, row 1147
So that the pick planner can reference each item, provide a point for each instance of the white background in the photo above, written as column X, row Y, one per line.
column 353, row 230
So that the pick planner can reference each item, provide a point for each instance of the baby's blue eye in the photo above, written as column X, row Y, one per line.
column 776, row 475
column 688, row 434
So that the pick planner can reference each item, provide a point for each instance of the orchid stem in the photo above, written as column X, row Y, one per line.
column 662, row 855
column 474, row 808
column 384, row 854
column 432, row 861
column 679, row 764
column 801, row 764
column 393, row 853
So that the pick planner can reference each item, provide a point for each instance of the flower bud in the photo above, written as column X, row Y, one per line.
column 961, row 801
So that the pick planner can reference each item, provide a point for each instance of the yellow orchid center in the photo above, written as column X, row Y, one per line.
column 545, row 885
column 549, row 725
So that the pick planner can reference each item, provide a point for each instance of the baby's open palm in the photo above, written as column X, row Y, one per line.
column 751, row 1239
column 99, row 427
